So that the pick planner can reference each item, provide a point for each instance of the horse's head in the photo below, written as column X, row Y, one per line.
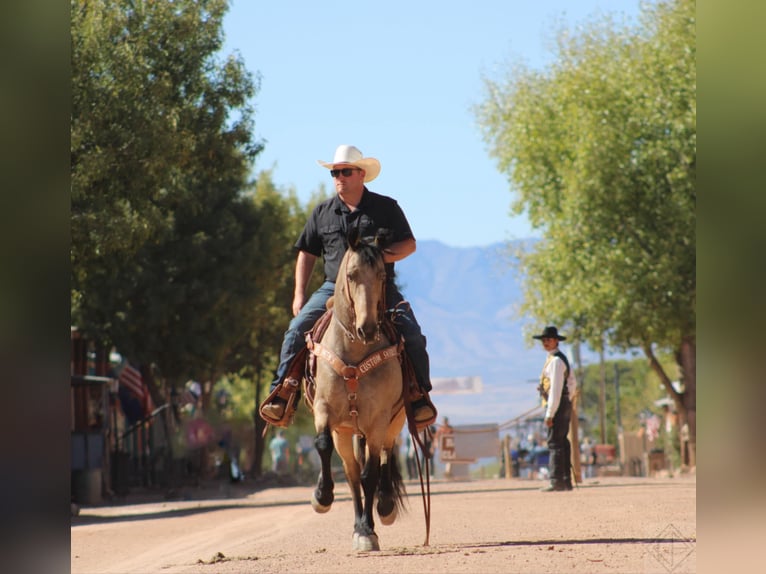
column 361, row 280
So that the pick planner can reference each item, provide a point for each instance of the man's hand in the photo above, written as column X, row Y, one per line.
column 298, row 302
column 549, row 422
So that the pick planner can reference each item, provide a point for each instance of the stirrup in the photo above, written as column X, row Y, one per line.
column 285, row 391
column 425, row 423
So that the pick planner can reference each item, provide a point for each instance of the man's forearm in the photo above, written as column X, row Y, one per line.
column 304, row 266
column 399, row 250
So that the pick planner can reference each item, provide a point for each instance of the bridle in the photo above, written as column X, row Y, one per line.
column 352, row 311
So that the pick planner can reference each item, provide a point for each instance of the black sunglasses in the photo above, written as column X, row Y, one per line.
column 346, row 171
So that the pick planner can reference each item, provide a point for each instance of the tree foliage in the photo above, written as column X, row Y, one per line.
column 166, row 250
column 255, row 355
column 254, row 359
column 639, row 388
column 178, row 259
column 600, row 149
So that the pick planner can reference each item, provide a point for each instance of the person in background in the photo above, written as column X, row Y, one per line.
column 444, row 429
column 587, row 456
column 412, row 465
column 557, row 386
column 280, row 452
column 428, row 443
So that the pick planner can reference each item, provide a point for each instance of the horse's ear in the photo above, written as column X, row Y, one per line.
column 353, row 236
column 383, row 238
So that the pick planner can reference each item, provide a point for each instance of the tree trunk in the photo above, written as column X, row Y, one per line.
column 686, row 401
column 602, row 397
column 665, row 380
column 575, row 422
column 258, row 426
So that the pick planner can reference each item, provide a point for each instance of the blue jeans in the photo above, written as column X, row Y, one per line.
column 406, row 324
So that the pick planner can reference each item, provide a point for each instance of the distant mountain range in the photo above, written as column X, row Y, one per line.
column 466, row 301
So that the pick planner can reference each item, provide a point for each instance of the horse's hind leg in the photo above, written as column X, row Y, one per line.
column 322, row 497
column 390, row 489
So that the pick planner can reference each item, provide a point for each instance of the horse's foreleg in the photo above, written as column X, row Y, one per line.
column 364, row 532
column 347, row 447
column 321, row 499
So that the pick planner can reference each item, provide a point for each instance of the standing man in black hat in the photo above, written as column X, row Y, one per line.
column 557, row 388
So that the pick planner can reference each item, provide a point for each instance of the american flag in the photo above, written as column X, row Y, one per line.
column 131, row 379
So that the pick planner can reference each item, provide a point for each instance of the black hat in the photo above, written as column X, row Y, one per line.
column 549, row 332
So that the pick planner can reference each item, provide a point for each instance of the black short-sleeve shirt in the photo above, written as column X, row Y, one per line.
column 326, row 229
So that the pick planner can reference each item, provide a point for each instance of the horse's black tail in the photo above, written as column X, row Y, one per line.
column 392, row 490
column 397, row 482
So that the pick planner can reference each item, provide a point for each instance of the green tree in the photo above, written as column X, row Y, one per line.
column 256, row 356
column 639, row 387
column 600, row 149
column 165, row 247
column 278, row 311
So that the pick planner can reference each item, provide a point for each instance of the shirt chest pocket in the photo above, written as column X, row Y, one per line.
column 332, row 238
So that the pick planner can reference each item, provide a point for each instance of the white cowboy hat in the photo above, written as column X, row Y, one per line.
column 349, row 155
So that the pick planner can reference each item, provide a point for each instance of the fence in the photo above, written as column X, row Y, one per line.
column 142, row 455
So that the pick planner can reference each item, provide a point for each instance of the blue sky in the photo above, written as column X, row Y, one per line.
column 398, row 80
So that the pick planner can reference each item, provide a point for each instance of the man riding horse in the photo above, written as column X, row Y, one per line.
column 325, row 235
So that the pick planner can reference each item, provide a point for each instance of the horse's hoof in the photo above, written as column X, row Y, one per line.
column 365, row 543
column 318, row 506
column 390, row 518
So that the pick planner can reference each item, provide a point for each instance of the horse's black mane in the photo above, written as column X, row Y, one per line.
column 369, row 252
column 370, row 249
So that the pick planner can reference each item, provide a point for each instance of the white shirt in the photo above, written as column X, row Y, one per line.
column 554, row 370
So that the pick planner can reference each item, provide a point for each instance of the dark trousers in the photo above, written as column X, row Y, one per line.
column 414, row 340
column 404, row 319
column 559, row 448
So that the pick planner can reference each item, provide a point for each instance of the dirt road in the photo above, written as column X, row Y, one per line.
column 609, row 525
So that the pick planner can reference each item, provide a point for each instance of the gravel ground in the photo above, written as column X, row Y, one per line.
column 610, row 524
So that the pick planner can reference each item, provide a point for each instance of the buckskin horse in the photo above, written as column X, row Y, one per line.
column 357, row 395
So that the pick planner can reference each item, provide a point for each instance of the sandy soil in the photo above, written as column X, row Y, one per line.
column 611, row 524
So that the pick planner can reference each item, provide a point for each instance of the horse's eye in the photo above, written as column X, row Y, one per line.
column 382, row 276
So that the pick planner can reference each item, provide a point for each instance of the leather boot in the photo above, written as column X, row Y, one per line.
column 555, row 486
column 274, row 410
column 423, row 411
column 279, row 408
column 554, row 465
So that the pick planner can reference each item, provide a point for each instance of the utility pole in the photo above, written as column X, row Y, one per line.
column 574, row 425
column 618, row 416
column 602, row 396
column 617, row 411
